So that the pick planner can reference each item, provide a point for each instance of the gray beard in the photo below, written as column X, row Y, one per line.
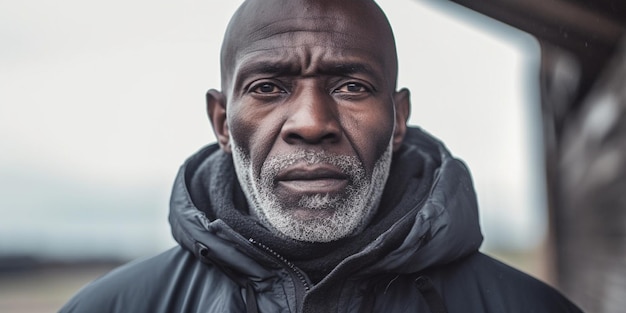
column 351, row 210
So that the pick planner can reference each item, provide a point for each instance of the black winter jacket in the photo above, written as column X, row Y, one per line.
column 423, row 260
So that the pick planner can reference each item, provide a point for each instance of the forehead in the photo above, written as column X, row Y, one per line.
column 337, row 30
column 331, row 31
column 303, row 42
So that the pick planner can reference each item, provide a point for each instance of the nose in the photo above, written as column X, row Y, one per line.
column 313, row 119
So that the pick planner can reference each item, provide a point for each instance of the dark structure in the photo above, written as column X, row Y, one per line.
column 583, row 92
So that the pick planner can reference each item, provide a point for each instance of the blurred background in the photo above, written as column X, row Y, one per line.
column 100, row 102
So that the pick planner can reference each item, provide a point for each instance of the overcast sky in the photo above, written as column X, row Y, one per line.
column 101, row 101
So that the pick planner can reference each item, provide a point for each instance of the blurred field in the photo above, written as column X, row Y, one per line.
column 37, row 288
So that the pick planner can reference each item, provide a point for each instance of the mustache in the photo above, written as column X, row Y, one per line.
column 349, row 165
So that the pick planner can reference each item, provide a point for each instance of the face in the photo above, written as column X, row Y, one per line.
column 311, row 117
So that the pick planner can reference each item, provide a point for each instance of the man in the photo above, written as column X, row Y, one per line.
column 318, row 197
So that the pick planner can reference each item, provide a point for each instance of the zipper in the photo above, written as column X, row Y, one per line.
column 292, row 268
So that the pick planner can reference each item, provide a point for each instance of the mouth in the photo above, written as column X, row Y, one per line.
column 311, row 179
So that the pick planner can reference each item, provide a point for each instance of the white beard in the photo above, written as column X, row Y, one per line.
column 351, row 210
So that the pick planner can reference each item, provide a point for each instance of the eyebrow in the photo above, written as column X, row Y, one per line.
column 265, row 67
column 344, row 69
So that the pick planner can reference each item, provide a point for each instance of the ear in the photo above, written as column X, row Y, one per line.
column 216, row 108
column 402, row 102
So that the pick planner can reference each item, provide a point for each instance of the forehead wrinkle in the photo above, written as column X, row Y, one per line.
column 251, row 49
column 330, row 25
column 305, row 62
column 290, row 39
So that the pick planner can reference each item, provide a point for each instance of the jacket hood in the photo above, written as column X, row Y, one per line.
column 433, row 191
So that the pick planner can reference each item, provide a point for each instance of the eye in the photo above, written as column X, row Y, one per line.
column 266, row 88
column 352, row 87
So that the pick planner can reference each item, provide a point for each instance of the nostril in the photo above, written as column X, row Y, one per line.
column 311, row 135
column 331, row 137
column 293, row 137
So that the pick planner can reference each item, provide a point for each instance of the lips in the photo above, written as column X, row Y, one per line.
column 311, row 179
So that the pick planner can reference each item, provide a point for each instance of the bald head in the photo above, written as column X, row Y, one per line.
column 356, row 25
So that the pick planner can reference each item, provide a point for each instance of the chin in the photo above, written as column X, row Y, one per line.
column 314, row 225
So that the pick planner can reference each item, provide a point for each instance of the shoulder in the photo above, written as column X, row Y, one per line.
column 160, row 283
column 496, row 287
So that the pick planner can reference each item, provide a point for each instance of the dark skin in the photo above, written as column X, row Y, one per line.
column 311, row 75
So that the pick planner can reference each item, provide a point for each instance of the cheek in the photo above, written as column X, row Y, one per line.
column 371, row 132
column 254, row 131
column 239, row 129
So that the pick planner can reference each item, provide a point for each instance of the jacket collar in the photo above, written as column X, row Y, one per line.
column 439, row 228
